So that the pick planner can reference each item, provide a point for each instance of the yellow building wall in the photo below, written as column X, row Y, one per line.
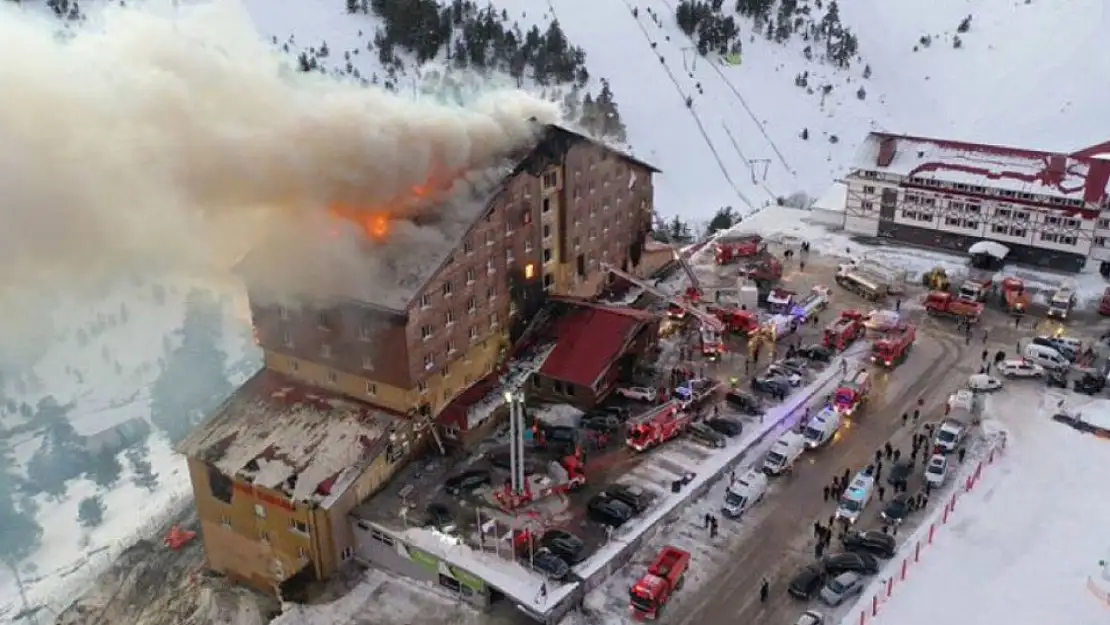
column 261, row 549
column 478, row 361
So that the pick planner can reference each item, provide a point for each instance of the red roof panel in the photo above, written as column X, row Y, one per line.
column 589, row 340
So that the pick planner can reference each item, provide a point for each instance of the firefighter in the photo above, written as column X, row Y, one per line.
column 764, row 590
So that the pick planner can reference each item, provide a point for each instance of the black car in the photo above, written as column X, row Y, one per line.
column 502, row 459
column 439, row 516
column 850, row 562
column 635, row 497
column 796, row 365
column 816, row 353
column 546, row 562
column 899, row 473
column 620, row 412
column 565, row 545
column 466, row 481
column 874, row 543
column 897, row 509
column 1089, row 384
column 807, row 583
column 600, row 422
column 557, row 437
column 726, row 426
column 608, row 511
column 771, row 385
column 745, row 403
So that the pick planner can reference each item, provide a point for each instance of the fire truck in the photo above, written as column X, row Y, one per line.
column 852, row 393
column 767, row 269
column 677, row 307
column 862, row 283
column 978, row 284
column 657, row 426
column 947, row 305
column 1015, row 299
column 742, row 322
column 665, row 576
column 569, row 474
column 712, row 346
column 892, row 349
column 732, row 248
column 780, row 301
column 844, row 330
column 811, row 304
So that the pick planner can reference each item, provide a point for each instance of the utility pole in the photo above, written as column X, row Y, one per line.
column 755, row 165
column 692, row 66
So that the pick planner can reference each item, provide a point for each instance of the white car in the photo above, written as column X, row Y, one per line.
column 882, row 320
column 788, row 374
column 936, row 471
column 810, row 617
column 638, row 393
column 1020, row 369
column 983, row 382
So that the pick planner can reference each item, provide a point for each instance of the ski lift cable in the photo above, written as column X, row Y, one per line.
column 697, row 120
column 743, row 103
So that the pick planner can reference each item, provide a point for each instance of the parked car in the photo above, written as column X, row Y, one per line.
column 600, row 422
column 771, row 384
column 638, row 393
column 796, row 364
column 900, row 473
column 897, row 509
column 851, row 561
column 726, row 426
column 872, row 542
column 466, row 481
column 745, row 403
column 984, row 383
column 1058, row 379
column 1090, row 383
column 706, row 435
column 810, row 617
column 608, row 511
column 842, row 587
column 546, row 562
column 1067, row 348
column 502, row 459
column 936, row 470
column 806, row 583
column 1020, row 369
column 791, row 376
column 816, row 353
column 439, row 516
column 635, row 497
column 557, row 437
column 565, row 545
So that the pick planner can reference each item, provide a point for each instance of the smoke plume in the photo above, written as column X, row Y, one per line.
column 179, row 139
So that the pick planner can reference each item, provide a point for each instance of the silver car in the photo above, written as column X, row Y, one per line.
column 841, row 587
column 810, row 617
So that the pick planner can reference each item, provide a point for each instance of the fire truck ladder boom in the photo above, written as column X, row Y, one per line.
column 705, row 318
column 694, row 282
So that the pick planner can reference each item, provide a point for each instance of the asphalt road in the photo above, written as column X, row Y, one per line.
column 781, row 541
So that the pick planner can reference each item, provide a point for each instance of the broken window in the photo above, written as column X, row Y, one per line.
column 221, row 485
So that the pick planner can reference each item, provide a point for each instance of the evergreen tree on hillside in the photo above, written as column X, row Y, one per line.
column 193, row 381
column 61, row 455
column 679, row 231
column 21, row 531
column 138, row 458
column 90, row 512
column 723, row 219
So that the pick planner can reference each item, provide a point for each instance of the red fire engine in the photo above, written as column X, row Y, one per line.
column 948, row 305
column 852, row 393
column 665, row 575
column 712, row 345
column 892, row 349
column 743, row 322
column 732, row 248
column 844, row 330
column 565, row 476
column 658, row 426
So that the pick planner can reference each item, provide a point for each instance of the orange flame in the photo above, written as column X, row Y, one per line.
column 376, row 221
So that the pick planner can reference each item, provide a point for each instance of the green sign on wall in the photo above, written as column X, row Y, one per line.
column 431, row 563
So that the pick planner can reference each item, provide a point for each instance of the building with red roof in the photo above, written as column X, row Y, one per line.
column 1045, row 208
column 594, row 344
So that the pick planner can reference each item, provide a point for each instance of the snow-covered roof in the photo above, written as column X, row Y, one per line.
column 297, row 440
column 1049, row 174
column 990, row 248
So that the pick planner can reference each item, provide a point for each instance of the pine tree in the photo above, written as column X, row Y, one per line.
column 90, row 512
column 21, row 531
column 144, row 475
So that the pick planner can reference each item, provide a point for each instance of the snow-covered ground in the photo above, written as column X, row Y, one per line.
column 103, row 359
column 1028, row 547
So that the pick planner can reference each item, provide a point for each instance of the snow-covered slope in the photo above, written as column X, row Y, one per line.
column 80, row 425
column 1026, row 73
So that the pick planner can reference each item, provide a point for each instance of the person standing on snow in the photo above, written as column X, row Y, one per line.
column 764, row 590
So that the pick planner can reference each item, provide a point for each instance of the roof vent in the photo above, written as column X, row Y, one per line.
column 887, row 148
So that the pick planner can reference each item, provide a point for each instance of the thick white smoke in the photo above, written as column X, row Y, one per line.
column 178, row 139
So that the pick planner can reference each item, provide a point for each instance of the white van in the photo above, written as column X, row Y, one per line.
column 742, row 494
column 822, row 427
column 856, row 497
column 783, row 454
column 949, row 435
column 1046, row 357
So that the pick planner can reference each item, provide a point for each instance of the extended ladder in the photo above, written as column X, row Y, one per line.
column 709, row 321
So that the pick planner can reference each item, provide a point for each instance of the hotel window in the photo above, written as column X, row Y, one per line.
column 425, row 332
column 447, row 289
column 283, row 313
column 298, row 526
column 869, row 190
column 471, row 275
column 286, row 338
column 368, row 363
column 429, row 362
column 425, row 301
column 371, row 389
column 325, row 350
column 468, row 247
column 333, row 377
column 259, row 511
